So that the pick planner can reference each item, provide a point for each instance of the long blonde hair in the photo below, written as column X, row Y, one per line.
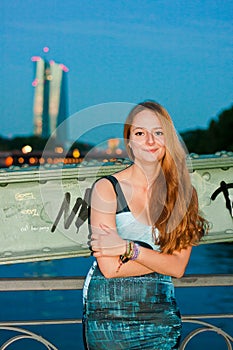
column 173, row 203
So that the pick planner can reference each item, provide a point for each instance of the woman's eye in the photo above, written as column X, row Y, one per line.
column 139, row 133
column 158, row 133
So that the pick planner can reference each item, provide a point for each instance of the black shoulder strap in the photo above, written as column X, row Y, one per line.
column 122, row 205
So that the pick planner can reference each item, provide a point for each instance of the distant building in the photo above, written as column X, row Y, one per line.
column 50, row 99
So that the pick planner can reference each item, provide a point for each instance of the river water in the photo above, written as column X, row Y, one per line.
column 205, row 259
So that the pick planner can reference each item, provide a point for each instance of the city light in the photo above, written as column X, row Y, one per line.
column 58, row 149
column 118, row 151
column 113, row 147
column 76, row 153
column 35, row 82
column 33, row 160
column 63, row 67
column 35, row 58
column 21, row 160
column 9, row 161
column 26, row 149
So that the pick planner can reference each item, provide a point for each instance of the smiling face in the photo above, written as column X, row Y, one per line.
column 146, row 139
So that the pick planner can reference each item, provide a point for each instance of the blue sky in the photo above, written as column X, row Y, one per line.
column 177, row 52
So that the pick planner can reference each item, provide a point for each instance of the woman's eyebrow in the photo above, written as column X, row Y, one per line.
column 138, row 127
column 141, row 127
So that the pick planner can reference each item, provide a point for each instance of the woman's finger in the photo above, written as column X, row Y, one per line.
column 95, row 248
column 97, row 254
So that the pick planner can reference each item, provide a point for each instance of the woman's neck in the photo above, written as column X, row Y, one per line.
column 145, row 175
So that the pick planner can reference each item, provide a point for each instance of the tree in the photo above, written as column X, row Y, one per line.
column 217, row 137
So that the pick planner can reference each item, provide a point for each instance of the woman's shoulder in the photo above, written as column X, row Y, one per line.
column 115, row 177
column 103, row 189
column 122, row 174
column 103, row 197
column 106, row 185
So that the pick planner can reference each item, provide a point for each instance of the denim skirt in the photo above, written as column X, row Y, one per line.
column 130, row 313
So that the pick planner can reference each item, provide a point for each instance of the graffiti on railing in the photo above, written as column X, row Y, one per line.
column 68, row 215
column 228, row 199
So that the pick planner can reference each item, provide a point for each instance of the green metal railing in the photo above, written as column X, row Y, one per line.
column 44, row 217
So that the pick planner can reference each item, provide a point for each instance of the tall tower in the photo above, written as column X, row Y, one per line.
column 50, row 99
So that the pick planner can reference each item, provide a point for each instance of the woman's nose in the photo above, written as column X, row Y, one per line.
column 150, row 138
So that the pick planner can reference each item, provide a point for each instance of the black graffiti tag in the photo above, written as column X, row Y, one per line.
column 80, row 203
column 224, row 189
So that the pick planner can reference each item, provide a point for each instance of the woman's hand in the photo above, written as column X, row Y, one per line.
column 107, row 242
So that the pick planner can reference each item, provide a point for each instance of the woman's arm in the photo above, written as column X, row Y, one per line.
column 108, row 245
column 168, row 264
column 102, row 215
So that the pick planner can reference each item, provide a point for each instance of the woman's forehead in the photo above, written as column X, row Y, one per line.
column 146, row 119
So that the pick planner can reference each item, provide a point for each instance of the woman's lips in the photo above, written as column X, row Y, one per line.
column 153, row 150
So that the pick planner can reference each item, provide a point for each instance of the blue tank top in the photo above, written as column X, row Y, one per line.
column 127, row 225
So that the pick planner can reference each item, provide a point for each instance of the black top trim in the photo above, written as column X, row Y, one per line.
column 122, row 205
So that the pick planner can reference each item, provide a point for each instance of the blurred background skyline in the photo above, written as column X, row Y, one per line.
column 178, row 53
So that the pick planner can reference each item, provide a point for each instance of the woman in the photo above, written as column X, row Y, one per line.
column 144, row 221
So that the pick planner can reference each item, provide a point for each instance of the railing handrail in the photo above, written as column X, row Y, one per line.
column 74, row 283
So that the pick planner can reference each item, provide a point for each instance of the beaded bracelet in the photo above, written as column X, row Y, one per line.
column 136, row 251
column 128, row 252
column 131, row 253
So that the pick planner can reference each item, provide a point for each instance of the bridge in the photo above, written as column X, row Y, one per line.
column 44, row 217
